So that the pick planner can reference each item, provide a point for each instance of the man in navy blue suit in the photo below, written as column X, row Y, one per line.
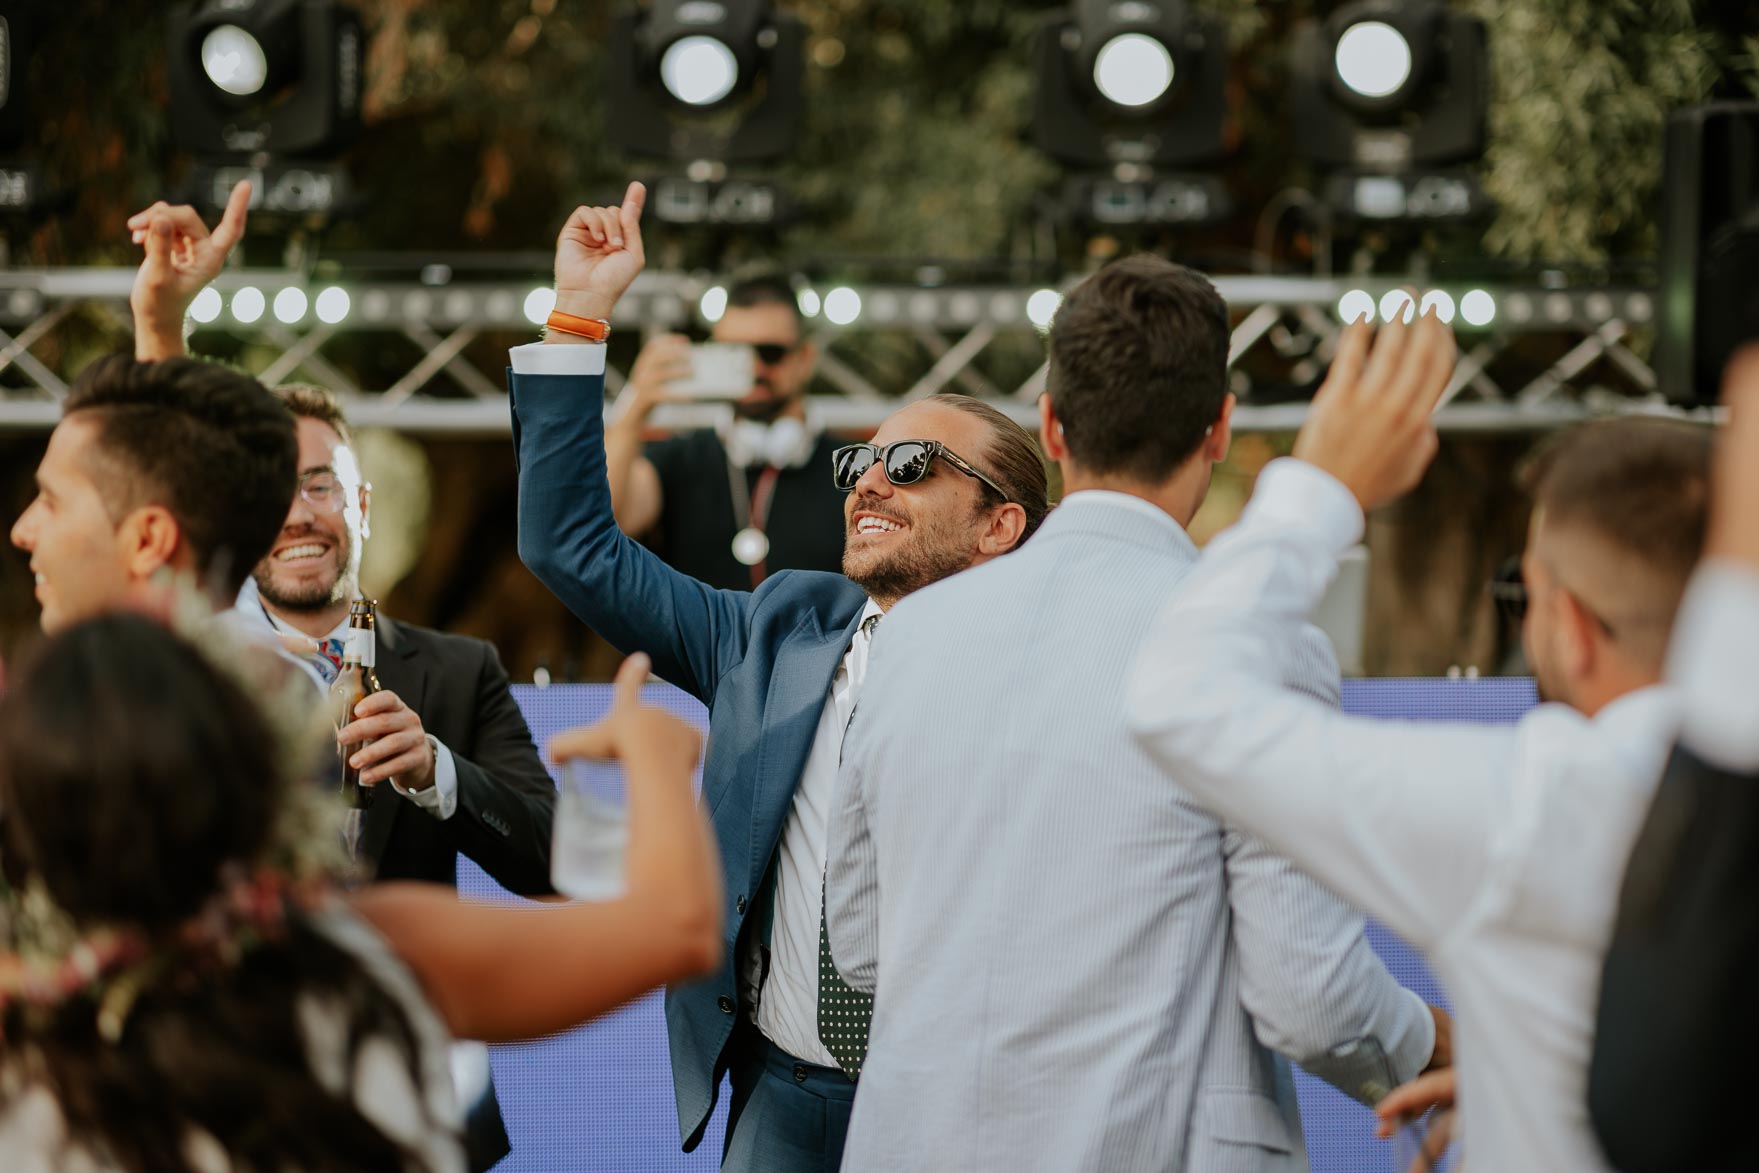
column 948, row 483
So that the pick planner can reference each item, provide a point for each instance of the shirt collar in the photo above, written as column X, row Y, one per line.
column 1112, row 499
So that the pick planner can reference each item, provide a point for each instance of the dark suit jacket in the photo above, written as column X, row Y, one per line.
column 1668, row 1086
column 762, row 661
column 506, row 800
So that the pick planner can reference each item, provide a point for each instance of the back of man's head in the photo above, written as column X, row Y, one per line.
column 208, row 444
column 1138, row 367
column 1623, row 506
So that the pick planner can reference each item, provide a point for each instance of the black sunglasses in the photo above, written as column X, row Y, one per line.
column 1508, row 590
column 904, row 461
column 771, row 353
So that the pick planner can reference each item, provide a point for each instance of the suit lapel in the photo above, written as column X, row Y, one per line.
column 401, row 672
column 800, row 686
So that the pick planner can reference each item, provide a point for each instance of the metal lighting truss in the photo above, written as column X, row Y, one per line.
column 1288, row 324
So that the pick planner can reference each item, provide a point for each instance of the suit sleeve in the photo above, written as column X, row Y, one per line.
column 570, row 540
column 506, row 800
column 1667, row 1083
column 1314, row 988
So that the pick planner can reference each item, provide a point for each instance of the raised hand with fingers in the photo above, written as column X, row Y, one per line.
column 598, row 253
column 182, row 256
column 633, row 732
column 1406, row 1106
column 1372, row 423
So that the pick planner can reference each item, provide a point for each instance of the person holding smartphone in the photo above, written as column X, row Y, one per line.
column 731, row 505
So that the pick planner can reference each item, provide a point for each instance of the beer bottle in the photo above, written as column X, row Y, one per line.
column 356, row 681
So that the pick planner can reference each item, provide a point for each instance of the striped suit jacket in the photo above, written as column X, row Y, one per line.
column 1075, row 967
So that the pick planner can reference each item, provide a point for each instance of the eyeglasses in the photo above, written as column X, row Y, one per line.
column 323, row 492
column 1508, row 589
column 904, row 462
column 771, row 353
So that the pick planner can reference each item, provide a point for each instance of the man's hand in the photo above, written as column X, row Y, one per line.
column 399, row 746
column 663, row 361
column 182, row 257
column 598, row 254
column 1443, row 1054
column 1407, row 1104
column 1372, row 424
column 633, row 730
column 1734, row 503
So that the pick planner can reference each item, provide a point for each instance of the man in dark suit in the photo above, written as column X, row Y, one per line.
column 953, row 484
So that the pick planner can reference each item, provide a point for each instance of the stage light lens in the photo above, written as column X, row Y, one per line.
column 810, row 302
column 1133, row 70
column 247, row 304
column 1396, row 303
column 713, row 304
column 1441, row 302
column 698, row 70
column 538, row 304
column 842, row 305
column 1355, row 306
column 206, row 306
column 234, row 61
column 332, row 305
column 290, row 306
column 1478, row 308
column 1041, row 307
column 1373, row 59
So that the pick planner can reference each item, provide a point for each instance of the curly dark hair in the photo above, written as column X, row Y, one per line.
column 134, row 827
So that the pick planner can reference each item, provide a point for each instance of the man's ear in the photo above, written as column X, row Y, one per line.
column 1578, row 635
column 1221, row 433
column 1050, row 430
column 1006, row 527
column 150, row 539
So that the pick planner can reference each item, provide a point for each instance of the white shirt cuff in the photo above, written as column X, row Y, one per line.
column 555, row 358
column 1295, row 493
column 1715, row 644
column 441, row 799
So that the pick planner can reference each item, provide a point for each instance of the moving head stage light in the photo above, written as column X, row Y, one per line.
column 279, row 77
column 1131, row 82
column 702, row 80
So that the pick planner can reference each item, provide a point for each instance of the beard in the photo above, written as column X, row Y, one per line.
column 306, row 597
column 930, row 551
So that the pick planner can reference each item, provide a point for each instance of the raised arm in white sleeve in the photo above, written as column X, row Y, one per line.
column 1398, row 818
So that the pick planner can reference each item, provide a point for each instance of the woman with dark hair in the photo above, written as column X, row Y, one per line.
column 181, row 988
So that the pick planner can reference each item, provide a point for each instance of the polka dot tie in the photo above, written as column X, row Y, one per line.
column 843, row 1012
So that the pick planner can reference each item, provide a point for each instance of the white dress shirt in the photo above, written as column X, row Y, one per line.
column 1710, row 661
column 1496, row 850
column 787, row 1010
column 439, row 800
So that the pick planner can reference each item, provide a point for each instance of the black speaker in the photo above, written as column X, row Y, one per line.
column 1709, row 288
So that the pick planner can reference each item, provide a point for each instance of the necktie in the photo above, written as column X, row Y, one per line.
column 329, row 659
column 843, row 1012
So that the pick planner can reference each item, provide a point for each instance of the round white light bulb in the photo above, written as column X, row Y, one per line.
column 713, row 304
column 538, row 304
column 290, row 305
column 1478, row 308
column 234, row 61
column 1041, row 307
column 1133, row 69
column 206, row 306
column 332, row 305
column 699, row 70
column 1396, row 303
column 842, row 305
column 810, row 302
column 247, row 304
column 1373, row 59
column 1441, row 302
column 1356, row 305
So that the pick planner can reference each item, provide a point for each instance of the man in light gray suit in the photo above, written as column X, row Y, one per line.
column 1074, row 966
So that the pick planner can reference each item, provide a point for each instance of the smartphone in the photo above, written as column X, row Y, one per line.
column 718, row 370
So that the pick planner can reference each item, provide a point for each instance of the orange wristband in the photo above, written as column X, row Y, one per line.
column 595, row 328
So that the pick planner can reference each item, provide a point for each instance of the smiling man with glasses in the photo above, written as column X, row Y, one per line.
column 732, row 504
column 948, row 483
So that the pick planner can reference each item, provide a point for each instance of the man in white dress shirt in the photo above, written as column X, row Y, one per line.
column 1075, row 966
column 1497, row 850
